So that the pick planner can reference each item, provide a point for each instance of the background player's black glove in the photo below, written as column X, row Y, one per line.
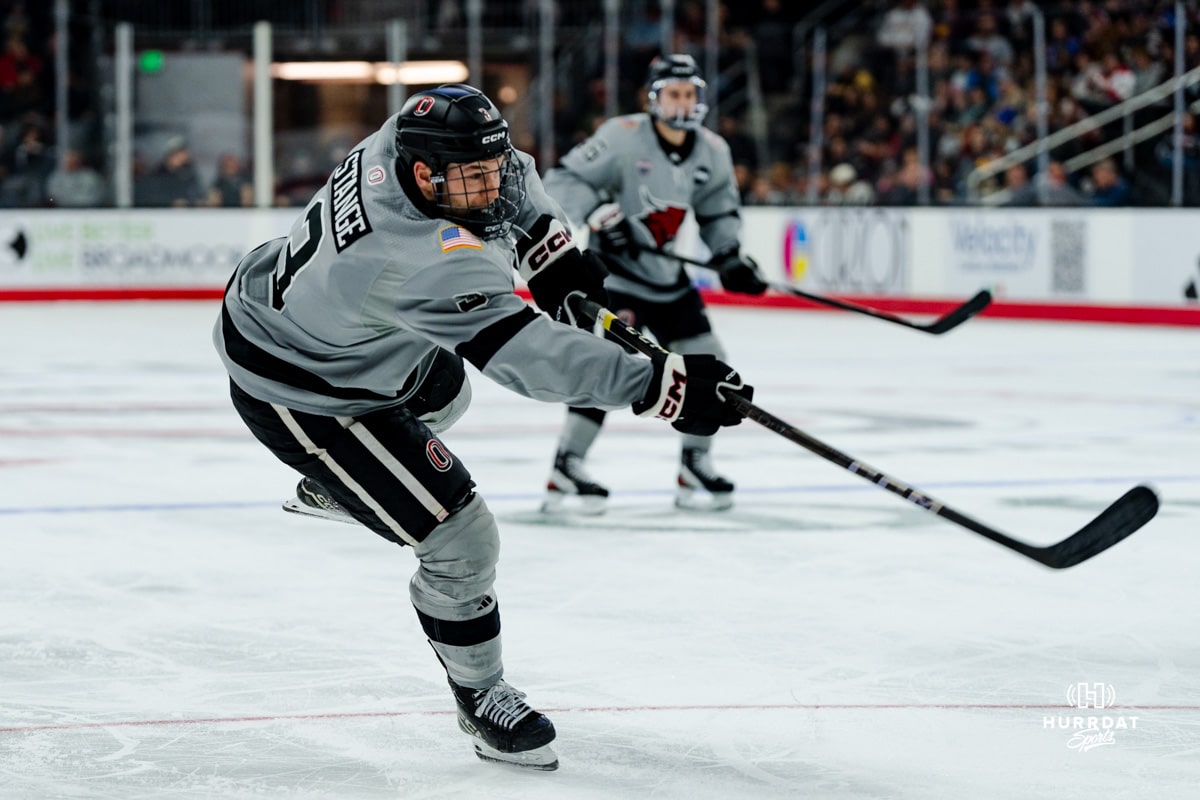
column 690, row 391
column 554, row 268
column 738, row 273
column 610, row 231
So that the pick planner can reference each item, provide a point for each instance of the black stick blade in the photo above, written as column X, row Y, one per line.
column 961, row 314
column 1133, row 510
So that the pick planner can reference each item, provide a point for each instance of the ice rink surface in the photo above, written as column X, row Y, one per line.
column 167, row 632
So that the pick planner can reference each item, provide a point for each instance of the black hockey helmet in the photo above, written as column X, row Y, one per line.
column 677, row 67
column 449, row 128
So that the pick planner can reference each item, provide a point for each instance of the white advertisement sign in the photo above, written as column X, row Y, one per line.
column 1032, row 255
column 145, row 248
column 1070, row 255
column 1166, row 269
column 1017, row 254
column 853, row 251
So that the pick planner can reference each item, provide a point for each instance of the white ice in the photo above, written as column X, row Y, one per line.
column 167, row 632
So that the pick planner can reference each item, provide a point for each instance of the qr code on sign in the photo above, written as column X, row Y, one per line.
column 1068, row 254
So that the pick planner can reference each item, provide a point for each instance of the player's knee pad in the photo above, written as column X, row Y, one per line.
column 703, row 344
column 443, row 397
column 457, row 563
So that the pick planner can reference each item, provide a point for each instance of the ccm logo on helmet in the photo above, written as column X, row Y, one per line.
column 494, row 137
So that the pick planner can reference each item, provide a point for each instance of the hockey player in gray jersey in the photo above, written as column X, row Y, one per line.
column 633, row 183
column 345, row 345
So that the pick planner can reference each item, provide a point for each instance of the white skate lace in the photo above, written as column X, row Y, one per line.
column 502, row 705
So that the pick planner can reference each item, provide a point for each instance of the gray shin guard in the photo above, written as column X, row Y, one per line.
column 453, row 584
column 704, row 344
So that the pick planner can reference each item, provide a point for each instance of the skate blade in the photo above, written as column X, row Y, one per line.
column 295, row 506
column 691, row 500
column 541, row 758
column 574, row 505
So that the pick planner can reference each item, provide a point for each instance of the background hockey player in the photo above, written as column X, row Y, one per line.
column 345, row 345
column 633, row 182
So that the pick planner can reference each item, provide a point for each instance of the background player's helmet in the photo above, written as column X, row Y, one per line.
column 677, row 67
column 453, row 126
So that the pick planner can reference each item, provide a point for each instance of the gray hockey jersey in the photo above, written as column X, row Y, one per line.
column 625, row 162
column 345, row 315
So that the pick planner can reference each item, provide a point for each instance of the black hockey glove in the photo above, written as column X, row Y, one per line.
column 690, row 391
column 554, row 268
column 610, row 231
column 738, row 273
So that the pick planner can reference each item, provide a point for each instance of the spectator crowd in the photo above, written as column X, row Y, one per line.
column 982, row 105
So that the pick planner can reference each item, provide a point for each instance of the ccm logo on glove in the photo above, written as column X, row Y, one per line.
column 673, row 396
column 544, row 244
column 542, row 254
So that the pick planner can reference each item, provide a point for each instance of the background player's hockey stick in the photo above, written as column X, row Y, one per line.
column 1133, row 510
column 952, row 319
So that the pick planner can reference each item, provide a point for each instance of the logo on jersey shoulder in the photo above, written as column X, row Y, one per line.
column 470, row 301
column 701, row 176
column 350, row 221
column 644, row 165
column 454, row 237
column 661, row 219
column 375, row 175
column 591, row 149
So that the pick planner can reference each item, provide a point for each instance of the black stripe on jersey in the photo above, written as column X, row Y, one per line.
column 487, row 342
column 249, row 356
column 705, row 220
column 462, row 634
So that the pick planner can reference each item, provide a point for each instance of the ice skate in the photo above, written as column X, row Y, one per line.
column 312, row 500
column 571, row 490
column 505, row 728
column 700, row 488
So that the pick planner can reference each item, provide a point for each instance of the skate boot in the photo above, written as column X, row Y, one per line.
column 314, row 501
column 505, row 728
column 696, row 473
column 571, row 489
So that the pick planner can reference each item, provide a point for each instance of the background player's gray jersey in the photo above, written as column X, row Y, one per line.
column 624, row 161
column 345, row 315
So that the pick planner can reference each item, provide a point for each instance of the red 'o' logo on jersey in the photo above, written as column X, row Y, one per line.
column 438, row 456
column 424, row 106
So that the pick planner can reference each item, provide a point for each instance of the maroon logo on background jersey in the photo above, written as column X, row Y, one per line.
column 663, row 224
column 662, row 220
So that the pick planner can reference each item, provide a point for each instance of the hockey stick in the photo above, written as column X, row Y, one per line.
column 952, row 319
column 1133, row 510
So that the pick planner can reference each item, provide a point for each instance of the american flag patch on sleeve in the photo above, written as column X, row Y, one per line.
column 455, row 237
